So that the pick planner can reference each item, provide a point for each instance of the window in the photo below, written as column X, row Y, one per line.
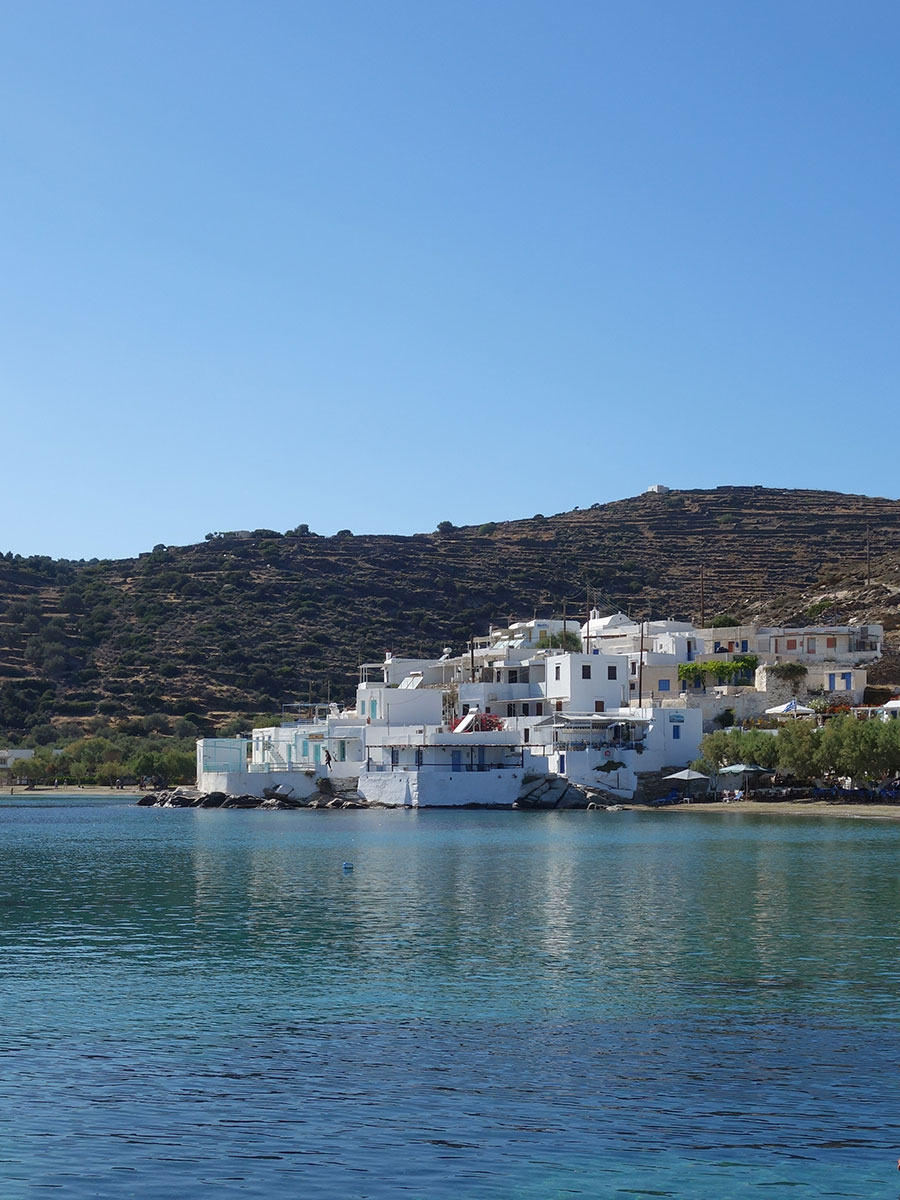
column 634, row 668
column 676, row 732
column 792, row 643
column 586, row 671
column 342, row 751
column 848, row 680
column 558, row 669
column 831, row 643
column 510, row 710
column 559, row 706
column 632, row 686
column 664, row 685
column 539, row 709
column 598, row 706
column 525, row 733
column 514, row 677
column 743, row 645
column 611, row 673
column 810, row 645
column 418, row 756
column 524, row 710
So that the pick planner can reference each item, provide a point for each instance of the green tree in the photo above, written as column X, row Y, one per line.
column 858, row 749
column 798, row 748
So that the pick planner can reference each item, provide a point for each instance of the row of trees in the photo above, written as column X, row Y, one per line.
column 843, row 746
column 103, row 760
column 132, row 751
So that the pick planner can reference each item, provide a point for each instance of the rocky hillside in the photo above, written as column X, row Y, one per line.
column 240, row 625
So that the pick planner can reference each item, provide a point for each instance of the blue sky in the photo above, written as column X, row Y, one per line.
column 378, row 265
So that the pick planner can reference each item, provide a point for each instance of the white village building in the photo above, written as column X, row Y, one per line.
column 469, row 728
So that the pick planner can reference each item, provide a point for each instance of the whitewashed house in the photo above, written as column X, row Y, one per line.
column 466, row 729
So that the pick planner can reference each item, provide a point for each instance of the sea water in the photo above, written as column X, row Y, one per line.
column 509, row 1005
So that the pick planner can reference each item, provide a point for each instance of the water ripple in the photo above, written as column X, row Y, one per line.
column 489, row 1006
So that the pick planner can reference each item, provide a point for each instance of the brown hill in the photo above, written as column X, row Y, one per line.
column 239, row 626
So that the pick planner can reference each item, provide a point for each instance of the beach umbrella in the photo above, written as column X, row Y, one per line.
column 791, row 709
column 687, row 777
column 744, row 769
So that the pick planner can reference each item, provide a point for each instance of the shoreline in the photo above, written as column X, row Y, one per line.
column 820, row 808
column 804, row 807
column 72, row 789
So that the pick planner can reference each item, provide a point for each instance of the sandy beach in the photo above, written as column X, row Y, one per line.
column 70, row 789
column 813, row 808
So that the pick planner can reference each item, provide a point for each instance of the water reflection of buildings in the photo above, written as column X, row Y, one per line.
column 501, row 908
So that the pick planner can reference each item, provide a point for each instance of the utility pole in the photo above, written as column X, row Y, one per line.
column 702, row 605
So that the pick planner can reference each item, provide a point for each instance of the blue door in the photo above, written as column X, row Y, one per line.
column 562, row 764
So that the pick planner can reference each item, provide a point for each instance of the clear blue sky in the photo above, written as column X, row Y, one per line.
column 377, row 265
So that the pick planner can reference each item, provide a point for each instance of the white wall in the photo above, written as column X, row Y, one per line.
column 400, row 706
column 222, row 754
column 243, row 783
column 440, row 789
column 579, row 694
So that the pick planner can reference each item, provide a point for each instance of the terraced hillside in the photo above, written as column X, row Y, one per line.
column 241, row 625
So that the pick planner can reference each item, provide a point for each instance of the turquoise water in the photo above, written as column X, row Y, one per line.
column 509, row 1005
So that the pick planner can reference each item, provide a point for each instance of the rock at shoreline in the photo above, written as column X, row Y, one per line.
column 212, row 800
column 326, row 797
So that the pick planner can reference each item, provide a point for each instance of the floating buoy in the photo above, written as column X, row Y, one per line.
column 349, row 867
